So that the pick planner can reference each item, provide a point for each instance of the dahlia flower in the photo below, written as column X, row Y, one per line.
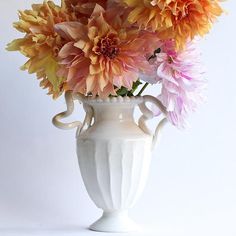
column 180, row 75
column 103, row 55
column 41, row 43
column 82, row 9
column 175, row 19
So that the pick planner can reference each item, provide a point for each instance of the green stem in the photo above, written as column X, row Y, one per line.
column 142, row 89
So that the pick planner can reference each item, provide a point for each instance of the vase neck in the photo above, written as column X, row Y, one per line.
column 113, row 112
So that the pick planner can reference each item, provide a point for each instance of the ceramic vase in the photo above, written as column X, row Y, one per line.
column 114, row 153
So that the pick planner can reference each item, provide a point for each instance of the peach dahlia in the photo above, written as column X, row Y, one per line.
column 102, row 56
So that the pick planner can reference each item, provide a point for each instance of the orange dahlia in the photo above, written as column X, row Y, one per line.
column 41, row 43
column 175, row 19
column 103, row 55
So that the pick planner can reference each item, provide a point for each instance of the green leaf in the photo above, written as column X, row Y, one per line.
column 135, row 85
column 125, row 92
column 122, row 91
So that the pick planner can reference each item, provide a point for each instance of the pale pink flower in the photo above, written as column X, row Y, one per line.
column 180, row 75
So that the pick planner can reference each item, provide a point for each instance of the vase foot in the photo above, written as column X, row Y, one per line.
column 115, row 222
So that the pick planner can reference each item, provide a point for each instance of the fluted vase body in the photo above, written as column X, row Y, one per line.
column 114, row 154
column 114, row 157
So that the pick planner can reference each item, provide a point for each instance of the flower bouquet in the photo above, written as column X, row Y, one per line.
column 105, row 53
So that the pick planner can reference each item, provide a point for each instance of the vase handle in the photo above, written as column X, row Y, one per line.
column 69, row 98
column 148, row 114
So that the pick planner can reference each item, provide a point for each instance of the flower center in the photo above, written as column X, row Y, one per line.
column 108, row 46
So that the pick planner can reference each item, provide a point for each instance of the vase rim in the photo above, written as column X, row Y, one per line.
column 117, row 100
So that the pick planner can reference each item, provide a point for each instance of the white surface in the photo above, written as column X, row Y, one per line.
column 192, row 184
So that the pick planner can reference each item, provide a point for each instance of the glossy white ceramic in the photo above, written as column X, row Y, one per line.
column 114, row 154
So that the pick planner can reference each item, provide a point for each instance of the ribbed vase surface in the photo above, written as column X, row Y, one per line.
column 114, row 153
column 114, row 156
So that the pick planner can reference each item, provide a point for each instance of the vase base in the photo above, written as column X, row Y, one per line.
column 115, row 222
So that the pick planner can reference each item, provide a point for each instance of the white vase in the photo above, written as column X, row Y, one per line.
column 114, row 154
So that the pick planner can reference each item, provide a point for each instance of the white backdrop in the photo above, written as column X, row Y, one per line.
column 192, row 185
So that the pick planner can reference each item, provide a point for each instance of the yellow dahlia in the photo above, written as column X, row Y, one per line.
column 175, row 19
column 41, row 43
column 103, row 55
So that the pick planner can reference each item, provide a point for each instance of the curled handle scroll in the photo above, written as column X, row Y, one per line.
column 148, row 114
column 70, row 98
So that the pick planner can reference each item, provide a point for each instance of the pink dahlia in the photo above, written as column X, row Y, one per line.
column 180, row 75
